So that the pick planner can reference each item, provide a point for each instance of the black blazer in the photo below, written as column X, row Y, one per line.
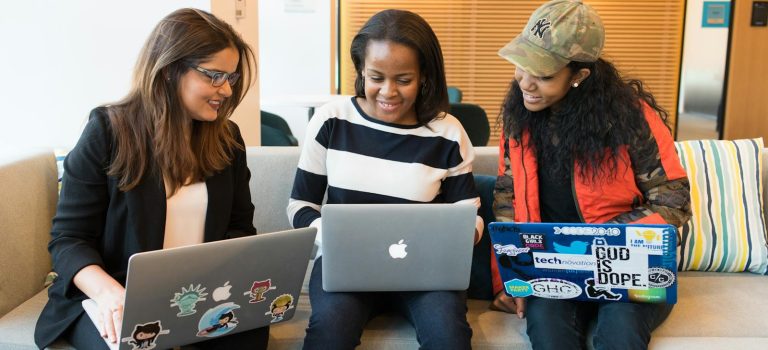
column 96, row 223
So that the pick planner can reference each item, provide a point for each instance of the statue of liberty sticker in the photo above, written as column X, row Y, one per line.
column 187, row 299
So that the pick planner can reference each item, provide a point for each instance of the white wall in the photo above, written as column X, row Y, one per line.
column 294, row 57
column 703, row 65
column 247, row 25
column 62, row 58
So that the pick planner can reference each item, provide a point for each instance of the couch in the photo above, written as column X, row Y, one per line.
column 714, row 311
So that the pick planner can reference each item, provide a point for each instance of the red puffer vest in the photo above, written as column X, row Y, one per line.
column 596, row 203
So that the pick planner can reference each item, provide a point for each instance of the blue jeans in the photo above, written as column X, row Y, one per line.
column 562, row 324
column 338, row 319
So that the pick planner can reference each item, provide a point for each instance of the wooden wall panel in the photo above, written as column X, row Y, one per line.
column 644, row 39
column 746, row 101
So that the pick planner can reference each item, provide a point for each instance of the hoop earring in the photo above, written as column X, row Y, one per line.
column 575, row 85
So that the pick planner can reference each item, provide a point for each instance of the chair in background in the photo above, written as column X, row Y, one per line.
column 275, row 131
column 454, row 94
column 474, row 120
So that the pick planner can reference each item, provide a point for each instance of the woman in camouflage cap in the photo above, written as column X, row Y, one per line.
column 581, row 144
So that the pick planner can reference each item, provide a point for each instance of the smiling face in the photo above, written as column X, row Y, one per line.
column 201, row 99
column 540, row 93
column 392, row 82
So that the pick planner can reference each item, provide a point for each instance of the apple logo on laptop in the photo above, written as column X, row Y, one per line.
column 222, row 293
column 397, row 250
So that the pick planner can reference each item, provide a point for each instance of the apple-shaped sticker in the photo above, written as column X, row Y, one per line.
column 397, row 250
column 222, row 293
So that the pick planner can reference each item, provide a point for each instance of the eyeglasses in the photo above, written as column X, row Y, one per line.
column 218, row 78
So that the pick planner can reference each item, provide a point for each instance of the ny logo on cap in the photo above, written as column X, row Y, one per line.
column 540, row 27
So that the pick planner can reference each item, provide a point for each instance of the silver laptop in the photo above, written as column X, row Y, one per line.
column 397, row 247
column 190, row 294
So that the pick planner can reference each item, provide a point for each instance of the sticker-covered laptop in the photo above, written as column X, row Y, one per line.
column 195, row 293
column 588, row 262
column 397, row 247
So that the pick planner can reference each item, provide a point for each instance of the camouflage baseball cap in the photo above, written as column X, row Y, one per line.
column 558, row 32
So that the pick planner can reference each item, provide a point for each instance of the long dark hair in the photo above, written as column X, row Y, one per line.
column 151, row 123
column 409, row 29
column 590, row 125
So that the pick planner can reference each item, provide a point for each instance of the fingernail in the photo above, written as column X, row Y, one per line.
column 520, row 315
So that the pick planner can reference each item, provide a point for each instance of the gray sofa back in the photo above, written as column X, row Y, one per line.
column 28, row 193
column 273, row 170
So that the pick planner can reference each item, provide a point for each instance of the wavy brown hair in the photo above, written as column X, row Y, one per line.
column 150, row 125
column 409, row 29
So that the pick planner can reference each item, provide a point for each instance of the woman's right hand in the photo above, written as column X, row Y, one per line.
column 111, row 310
column 109, row 296
column 505, row 303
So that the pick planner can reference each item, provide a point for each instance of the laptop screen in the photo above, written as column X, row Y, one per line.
column 588, row 262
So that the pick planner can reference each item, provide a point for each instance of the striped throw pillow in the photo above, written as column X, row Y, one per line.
column 727, row 232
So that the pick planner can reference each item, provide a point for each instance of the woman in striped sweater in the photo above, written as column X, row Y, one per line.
column 392, row 142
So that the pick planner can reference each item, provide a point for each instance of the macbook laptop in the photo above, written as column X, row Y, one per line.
column 397, row 247
column 190, row 294
column 589, row 262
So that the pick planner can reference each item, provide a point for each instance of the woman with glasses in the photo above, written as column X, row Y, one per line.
column 140, row 176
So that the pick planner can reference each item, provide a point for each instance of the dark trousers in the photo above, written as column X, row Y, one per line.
column 562, row 324
column 84, row 335
column 338, row 319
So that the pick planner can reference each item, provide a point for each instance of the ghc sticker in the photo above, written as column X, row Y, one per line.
column 518, row 288
column 553, row 288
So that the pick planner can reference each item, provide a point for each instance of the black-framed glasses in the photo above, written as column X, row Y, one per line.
column 218, row 78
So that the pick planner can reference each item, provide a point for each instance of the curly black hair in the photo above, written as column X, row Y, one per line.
column 603, row 114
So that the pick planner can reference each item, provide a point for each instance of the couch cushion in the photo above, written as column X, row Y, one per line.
column 687, row 343
column 718, row 305
column 727, row 230
column 17, row 328
column 28, row 189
